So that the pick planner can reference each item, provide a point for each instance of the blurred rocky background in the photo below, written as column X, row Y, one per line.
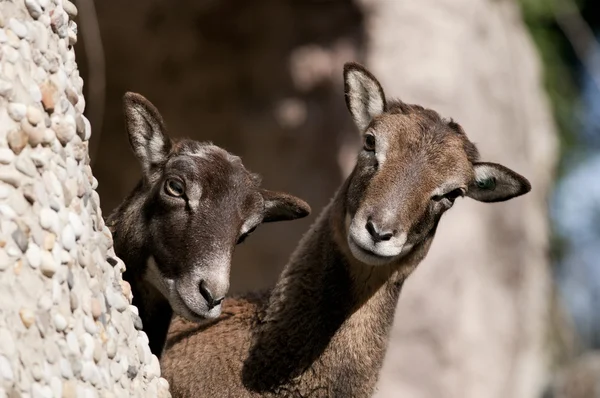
column 507, row 299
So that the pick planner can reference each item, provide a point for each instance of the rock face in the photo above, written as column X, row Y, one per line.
column 66, row 327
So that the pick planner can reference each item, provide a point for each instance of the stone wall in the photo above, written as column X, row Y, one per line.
column 67, row 328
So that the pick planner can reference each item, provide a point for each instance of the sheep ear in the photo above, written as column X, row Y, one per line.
column 364, row 96
column 281, row 206
column 147, row 132
column 495, row 183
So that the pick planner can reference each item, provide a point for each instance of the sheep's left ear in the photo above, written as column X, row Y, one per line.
column 496, row 183
column 280, row 206
column 364, row 96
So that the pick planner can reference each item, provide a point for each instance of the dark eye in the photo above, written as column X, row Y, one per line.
column 174, row 187
column 449, row 196
column 245, row 235
column 369, row 144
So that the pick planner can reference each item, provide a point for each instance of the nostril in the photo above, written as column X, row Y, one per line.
column 371, row 228
column 387, row 236
column 206, row 293
column 218, row 301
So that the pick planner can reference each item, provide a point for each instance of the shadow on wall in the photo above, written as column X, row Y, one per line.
column 262, row 79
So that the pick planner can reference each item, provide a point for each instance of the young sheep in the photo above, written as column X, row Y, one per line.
column 324, row 328
column 177, row 230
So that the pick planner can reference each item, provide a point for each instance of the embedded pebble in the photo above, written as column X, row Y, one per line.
column 16, row 111
column 34, row 115
column 34, row 8
column 17, row 139
column 49, row 220
column 11, row 177
column 48, row 265
column 60, row 323
column 6, row 370
column 33, row 255
column 25, row 165
column 6, row 156
column 5, row 88
column 69, row 8
column 17, row 27
column 27, row 317
column 68, row 238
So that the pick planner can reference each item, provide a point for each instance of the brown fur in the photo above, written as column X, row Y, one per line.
column 323, row 330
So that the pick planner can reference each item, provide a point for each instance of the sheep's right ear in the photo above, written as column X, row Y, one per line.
column 281, row 206
column 147, row 132
column 364, row 96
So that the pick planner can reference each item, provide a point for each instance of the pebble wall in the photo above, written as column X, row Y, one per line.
column 67, row 326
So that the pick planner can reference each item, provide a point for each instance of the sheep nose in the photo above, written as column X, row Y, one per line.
column 210, row 300
column 376, row 235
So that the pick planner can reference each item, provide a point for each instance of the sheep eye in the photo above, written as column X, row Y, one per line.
column 174, row 187
column 369, row 144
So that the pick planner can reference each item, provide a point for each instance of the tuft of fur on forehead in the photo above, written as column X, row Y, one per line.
column 432, row 123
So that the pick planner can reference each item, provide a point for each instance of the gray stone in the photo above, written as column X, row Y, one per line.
column 21, row 239
column 137, row 321
column 132, row 371
column 73, row 301
column 58, row 22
